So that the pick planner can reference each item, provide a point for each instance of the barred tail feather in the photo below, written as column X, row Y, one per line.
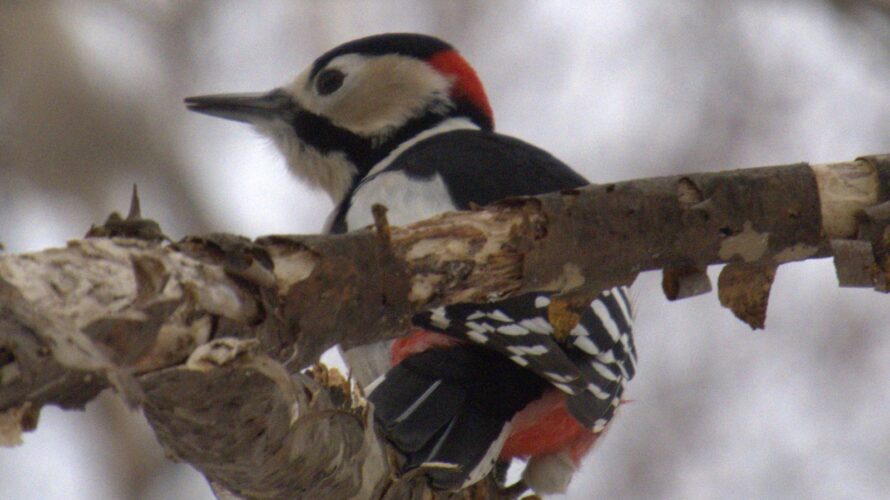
column 452, row 406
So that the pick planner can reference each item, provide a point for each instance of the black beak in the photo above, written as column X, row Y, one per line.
column 247, row 108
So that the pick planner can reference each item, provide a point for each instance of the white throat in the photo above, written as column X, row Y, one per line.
column 332, row 172
column 408, row 200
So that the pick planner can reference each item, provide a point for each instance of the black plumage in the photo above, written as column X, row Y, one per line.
column 450, row 405
column 482, row 167
column 478, row 167
column 509, row 362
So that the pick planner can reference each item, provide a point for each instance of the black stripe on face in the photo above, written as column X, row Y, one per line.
column 319, row 133
column 364, row 152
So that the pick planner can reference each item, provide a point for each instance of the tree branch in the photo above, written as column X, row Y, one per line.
column 209, row 335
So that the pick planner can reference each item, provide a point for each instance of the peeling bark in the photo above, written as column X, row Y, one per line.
column 209, row 335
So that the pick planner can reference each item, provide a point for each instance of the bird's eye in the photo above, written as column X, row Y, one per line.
column 328, row 81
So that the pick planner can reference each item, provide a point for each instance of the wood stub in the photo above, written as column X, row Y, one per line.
column 845, row 189
column 854, row 263
column 684, row 281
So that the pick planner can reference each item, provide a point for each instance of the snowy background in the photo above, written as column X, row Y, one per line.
column 91, row 102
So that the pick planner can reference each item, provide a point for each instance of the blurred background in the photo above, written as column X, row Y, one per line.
column 91, row 102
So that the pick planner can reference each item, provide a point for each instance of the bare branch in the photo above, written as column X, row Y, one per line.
column 209, row 335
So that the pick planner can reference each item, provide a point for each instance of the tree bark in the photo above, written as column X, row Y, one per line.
column 209, row 336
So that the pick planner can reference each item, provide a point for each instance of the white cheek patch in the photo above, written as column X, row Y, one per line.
column 379, row 94
column 408, row 199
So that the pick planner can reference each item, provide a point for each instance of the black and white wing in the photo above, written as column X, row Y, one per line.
column 591, row 365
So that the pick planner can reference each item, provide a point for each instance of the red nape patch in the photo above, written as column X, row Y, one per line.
column 466, row 82
column 544, row 427
column 418, row 341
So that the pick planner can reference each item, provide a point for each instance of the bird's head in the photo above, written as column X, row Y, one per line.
column 357, row 103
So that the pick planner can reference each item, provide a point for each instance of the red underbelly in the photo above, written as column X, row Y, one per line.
column 544, row 427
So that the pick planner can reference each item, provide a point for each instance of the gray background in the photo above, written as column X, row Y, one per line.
column 90, row 102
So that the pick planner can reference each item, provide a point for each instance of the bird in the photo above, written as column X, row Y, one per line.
column 403, row 120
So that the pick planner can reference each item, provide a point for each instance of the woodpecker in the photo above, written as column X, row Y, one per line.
column 403, row 120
